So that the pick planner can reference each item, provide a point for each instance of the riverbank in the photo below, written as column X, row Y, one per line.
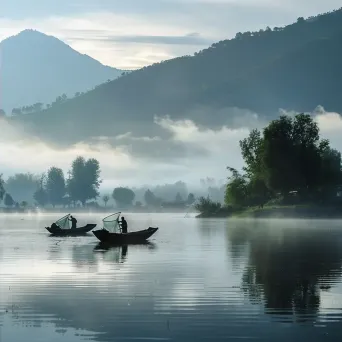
column 295, row 212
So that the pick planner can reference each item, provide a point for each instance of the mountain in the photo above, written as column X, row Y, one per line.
column 37, row 68
column 296, row 67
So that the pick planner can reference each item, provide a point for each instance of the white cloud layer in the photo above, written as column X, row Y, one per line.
column 188, row 153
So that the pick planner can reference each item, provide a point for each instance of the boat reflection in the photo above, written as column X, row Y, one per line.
column 118, row 253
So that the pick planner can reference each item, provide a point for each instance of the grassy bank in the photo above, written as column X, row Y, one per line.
column 295, row 211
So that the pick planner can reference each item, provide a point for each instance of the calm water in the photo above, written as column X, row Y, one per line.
column 200, row 280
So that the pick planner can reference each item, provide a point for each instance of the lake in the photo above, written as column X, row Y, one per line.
column 198, row 280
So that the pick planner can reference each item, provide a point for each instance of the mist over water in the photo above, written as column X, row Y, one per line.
column 197, row 280
column 177, row 149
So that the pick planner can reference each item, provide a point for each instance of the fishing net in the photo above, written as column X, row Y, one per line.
column 111, row 222
column 64, row 222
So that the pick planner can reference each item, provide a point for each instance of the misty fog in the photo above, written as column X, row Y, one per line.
column 181, row 150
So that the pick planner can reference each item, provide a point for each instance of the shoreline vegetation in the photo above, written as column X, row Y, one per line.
column 289, row 172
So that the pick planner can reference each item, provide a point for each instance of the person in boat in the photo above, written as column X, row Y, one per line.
column 54, row 226
column 123, row 225
column 73, row 222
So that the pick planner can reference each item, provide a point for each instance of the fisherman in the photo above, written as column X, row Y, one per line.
column 123, row 224
column 73, row 222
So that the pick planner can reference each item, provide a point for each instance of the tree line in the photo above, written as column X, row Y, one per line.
column 124, row 198
column 81, row 186
column 53, row 188
column 287, row 160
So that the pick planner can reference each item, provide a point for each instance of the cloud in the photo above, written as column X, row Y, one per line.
column 133, row 33
column 180, row 150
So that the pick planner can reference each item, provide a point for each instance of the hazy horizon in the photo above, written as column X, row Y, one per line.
column 181, row 151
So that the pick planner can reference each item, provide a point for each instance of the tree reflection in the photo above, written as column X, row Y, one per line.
column 289, row 266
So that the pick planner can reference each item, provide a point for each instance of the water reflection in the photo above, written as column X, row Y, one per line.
column 185, row 287
column 289, row 265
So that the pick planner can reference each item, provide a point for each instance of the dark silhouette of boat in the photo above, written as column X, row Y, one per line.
column 110, row 235
column 62, row 228
column 127, row 238
column 71, row 232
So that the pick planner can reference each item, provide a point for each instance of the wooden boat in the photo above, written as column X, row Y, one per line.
column 62, row 228
column 128, row 238
column 110, row 235
column 71, row 232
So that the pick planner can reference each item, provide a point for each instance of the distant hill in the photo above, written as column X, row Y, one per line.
column 36, row 68
column 296, row 67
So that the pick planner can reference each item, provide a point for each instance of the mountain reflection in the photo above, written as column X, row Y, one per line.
column 289, row 266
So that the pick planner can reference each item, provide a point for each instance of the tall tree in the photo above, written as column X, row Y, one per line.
column 22, row 186
column 236, row 191
column 8, row 201
column 2, row 188
column 191, row 199
column 150, row 198
column 123, row 196
column 55, row 186
column 105, row 199
column 84, row 180
column 40, row 195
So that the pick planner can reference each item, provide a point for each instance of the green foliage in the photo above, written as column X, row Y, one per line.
column 236, row 191
column 207, row 206
column 288, row 156
column 8, row 201
column 55, row 185
column 123, row 196
column 84, row 180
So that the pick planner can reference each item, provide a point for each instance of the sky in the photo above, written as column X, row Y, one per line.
column 133, row 33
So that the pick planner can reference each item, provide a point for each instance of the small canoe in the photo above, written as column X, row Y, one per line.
column 71, row 232
column 121, row 239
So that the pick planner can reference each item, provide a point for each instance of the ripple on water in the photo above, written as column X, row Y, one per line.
column 199, row 280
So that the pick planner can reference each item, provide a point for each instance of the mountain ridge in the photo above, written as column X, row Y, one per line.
column 37, row 67
column 254, row 71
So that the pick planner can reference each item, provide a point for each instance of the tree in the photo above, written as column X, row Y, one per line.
column 105, row 199
column 236, row 191
column 84, row 180
column 2, row 188
column 178, row 198
column 123, row 196
column 2, row 113
column 24, row 204
column 22, row 186
column 290, row 156
column 150, row 198
column 55, row 186
column 251, row 149
column 9, row 202
column 191, row 199
column 41, row 197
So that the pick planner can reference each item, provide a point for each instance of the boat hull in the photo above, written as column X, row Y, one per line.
column 123, row 239
column 71, row 232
